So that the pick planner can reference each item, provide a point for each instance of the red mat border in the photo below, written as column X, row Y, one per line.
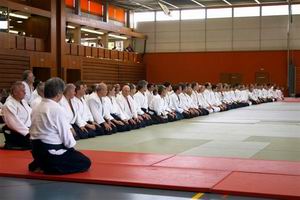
column 213, row 189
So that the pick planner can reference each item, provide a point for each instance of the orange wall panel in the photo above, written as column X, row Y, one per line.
column 69, row 3
column 84, row 5
column 96, row 8
column 115, row 13
column 207, row 66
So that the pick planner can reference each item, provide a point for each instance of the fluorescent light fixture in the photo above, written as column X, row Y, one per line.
column 71, row 27
column 227, row 2
column 88, row 39
column 18, row 16
column 196, row 2
column 13, row 31
column 11, row 26
column 92, row 31
column 19, row 22
column 169, row 4
column 143, row 6
column 117, row 36
column 258, row 2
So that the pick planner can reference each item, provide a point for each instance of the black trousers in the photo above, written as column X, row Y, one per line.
column 106, row 132
column 203, row 111
column 15, row 140
column 82, row 134
column 99, row 130
column 159, row 119
column 121, row 128
column 1, row 120
column 71, row 161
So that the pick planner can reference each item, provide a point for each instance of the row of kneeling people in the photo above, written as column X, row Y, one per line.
column 59, row 114
column 108, row 109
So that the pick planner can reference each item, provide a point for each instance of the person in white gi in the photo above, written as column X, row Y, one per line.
column 16, row 113
column 85, row 116
column 40, row 96
column 127, row 106
column 96, row 105
column 28, row 80
column 52, row 141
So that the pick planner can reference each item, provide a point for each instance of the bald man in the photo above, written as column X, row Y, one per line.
column 127, row 106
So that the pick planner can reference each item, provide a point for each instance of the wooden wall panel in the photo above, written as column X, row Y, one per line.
column 39, row 44
column 68, row 48
column 131, row 73
column 96, row 71
column 114, row 55
column 11, row 68
column 80, row 50
column 101, row 53
column 131, row 57
column 30, row 43
column 95, row 52
column 87, row 51
column 72, row 62
column 20, row 42
column 41, row 60
column 74, row 49
column 126, row 56
column 12, row 41
column 121, row 55
column 107, row 53
column 4, row 40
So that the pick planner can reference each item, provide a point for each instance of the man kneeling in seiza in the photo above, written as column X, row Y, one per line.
column 52, row 140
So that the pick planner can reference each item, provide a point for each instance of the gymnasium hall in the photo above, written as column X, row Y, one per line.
column 150, row 99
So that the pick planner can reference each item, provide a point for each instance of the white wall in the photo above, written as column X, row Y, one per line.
column 225, row 34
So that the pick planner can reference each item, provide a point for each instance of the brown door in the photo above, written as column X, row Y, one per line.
column 262, row 77
column 224, row 77
column 42, row 73
column 235, row 78
column 73, row 75
column 231, row 78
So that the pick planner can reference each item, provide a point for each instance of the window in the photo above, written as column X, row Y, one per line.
column 219, row 13
column 3, row 25
column 161, row 16
column 246, row 11
column 143, row 17
column 296, row 9
column 193, row 14
column 275, row 10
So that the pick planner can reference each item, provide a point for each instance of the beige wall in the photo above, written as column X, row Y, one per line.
column 226, row 34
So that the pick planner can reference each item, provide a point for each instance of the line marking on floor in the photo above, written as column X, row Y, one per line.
column 197, row 196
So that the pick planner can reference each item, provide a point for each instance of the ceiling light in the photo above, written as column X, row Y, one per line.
column 11, row 26
column 258, row 2
column 227, row 2
column 169, row 4
column 19, row 22
column 92, row 31
column 13, row 31
column 196, row 2
column 143, row 6
column 71, row 27
column 18, row 16
column 118, row 36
